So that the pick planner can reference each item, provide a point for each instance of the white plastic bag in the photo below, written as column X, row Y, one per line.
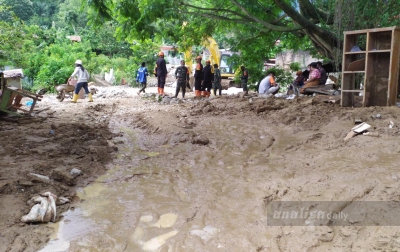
column 44, row 210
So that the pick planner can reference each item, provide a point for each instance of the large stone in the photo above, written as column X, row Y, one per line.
column 75, row 172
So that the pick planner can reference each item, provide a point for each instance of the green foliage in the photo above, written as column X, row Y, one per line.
column 311, row 25
column 295, row 66
column 55, row 64
column 282, row 77
column 45, row 12
column 23, row 9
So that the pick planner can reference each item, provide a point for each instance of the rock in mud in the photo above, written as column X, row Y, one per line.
column 62, row 176
column 38, row 178
column 75, row 172
column 200, row 139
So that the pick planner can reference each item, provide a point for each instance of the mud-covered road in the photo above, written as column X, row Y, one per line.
column 195, row 176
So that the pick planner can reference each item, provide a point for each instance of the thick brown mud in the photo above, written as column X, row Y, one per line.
column 199, row 176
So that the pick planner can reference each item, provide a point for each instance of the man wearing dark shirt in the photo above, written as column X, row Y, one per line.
column 324, row 77
column 161, row 72
column 208, row 76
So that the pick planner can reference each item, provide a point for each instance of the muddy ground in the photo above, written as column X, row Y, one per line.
column 197, row 175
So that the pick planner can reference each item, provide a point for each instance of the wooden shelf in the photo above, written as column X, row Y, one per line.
column 376, row 68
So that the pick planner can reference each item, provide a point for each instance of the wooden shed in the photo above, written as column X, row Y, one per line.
column 13, row 78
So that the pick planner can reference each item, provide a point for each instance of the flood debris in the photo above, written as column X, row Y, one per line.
column 43, row 211
column 360, row 128
column 371, row 134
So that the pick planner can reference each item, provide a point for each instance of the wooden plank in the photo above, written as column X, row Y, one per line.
column 354, row 72
column 368, row 71
column 394, row 69
column 371, row 30
column 345, row 43
column 353, row 91
column 379, row 51
column 359, row 52
column 358, row 65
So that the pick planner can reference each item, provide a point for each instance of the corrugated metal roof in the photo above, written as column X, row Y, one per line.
column 75, row 38
column 15, row 73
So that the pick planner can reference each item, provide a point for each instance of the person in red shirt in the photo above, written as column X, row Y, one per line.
column 313, row 78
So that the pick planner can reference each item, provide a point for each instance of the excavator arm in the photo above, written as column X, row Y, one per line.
column 215, row 58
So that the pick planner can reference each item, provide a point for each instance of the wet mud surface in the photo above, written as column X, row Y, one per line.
column 197, row 176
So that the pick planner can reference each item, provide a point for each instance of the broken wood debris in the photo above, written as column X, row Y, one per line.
column 357, row 130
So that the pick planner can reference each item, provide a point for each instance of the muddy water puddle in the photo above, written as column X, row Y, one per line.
column 155, row 199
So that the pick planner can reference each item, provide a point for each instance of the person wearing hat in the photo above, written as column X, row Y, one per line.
column 83, row 78
column 198, row 76
column 161, row 69
column 244, row 78
column 217, row 80
column 182, row 78
column 208, row 76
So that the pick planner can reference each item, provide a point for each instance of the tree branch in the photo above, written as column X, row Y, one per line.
column 266, row 24
column 311, row 12
column 215, row 10
column 304, row 22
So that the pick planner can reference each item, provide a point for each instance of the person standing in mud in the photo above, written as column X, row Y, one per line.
column 142, row 77
column 208, row 75
column 244, row 78
column 198, row 77
column 161, row 69
column 182, row 79
column 217, row 80
column 83, row 77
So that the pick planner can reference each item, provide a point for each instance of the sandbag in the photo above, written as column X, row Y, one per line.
column 44, row 210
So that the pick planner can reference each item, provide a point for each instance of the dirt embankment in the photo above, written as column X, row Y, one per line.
column 49, row 146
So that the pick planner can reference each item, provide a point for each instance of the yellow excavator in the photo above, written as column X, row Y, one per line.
column 216, row 57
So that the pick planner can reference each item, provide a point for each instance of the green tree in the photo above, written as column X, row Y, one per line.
column 320, row 21
column 45, row 12
column 23, row 9
column 54, row 64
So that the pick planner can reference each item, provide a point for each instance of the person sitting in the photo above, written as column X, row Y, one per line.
column 306, row 72
column 324, row 77
column 268, row 85
column 297, row 83
column 313, row 80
